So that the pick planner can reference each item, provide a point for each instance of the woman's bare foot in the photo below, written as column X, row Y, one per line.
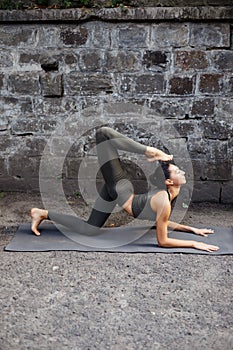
column 153, row 154
column 37, row 215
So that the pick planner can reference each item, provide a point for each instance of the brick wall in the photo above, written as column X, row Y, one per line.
column 55, row 64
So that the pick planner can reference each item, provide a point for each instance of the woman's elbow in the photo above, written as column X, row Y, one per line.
column 162, row 243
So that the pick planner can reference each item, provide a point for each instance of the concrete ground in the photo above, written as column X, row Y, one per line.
column 72, row 300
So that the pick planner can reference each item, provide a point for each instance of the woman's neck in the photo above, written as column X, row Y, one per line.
column 173, row 191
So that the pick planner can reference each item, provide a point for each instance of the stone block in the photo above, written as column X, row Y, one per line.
column 149, row 84
column 202, row 107
column 227, row 192
column 211, row 83
column 206, row 191
column 101, row 34
column 185, row 128
column 133, row 36
column 14, row 183
column 11, row 106
column 4, row 122
column 24, row 83
column 77, row 149
column 55, row 105
column 171, row 107
column 60, row 146
column 51, row 84
column 29, row 58
column 6, row 59
column 216, row 170
column 81, row 84
column 197, row 148
column 52, row 167
column 223, row 60
column 169, row 35
column 121, row 61
column 23, row 167
column 18, row 36
column 1, row 80
column 230, row 85
column 218, row 150
column 230, row 146
column 224, row 109
column 5, row 143
column 34, row 146
column 181, row 85
column 2, row 167
column 155, row 60
column 26, row 106
column 191, row 60
column 73, row 36
column 31, row 125
column 48, row 36
column 71, row 59
column 90, row 61
column 81, row 168
column 209, row 35
column 121, row 108
column 215, row 130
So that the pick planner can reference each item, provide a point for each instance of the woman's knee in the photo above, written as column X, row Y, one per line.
column 101, row 134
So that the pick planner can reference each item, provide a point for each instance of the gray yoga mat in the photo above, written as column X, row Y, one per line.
column 117, row 239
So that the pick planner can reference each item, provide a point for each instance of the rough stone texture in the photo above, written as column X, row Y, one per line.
column 171, row 60
column 181, row 86
column 227, row 193
column 136, row 3
column 24, row 83
column 80, row 84
column 187, row 60
column 211, row 83
column 123, row 13
column 223, row 60
column 203, row 107
column 74, row 36
column 209, row 35
column 51, row 84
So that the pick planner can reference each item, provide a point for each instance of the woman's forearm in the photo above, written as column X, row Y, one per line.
column 178, row 227
column 177, row 243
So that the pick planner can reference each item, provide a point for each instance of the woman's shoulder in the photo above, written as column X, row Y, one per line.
column 160, row 201
column 159, row 193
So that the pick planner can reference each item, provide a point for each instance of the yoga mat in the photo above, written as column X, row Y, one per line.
column 52, row 239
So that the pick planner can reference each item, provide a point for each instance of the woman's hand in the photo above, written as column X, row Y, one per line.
column 204, row 246
column 153, row 154
column 202, row 231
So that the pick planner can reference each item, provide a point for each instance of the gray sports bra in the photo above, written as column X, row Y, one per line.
column 141, row 207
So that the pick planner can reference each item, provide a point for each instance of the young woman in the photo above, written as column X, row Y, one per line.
column 117, row 189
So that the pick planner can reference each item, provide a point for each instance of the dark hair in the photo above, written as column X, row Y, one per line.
column 161, row 173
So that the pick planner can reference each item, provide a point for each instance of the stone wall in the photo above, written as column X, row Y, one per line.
column 11, row 4
column 56, row 63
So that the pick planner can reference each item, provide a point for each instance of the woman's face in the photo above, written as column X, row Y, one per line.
column 177, row 176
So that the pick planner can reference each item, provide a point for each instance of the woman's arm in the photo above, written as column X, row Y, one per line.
column 165, row 241
column 198, row 231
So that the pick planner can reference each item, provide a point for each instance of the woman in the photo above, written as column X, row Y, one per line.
column 117, row 189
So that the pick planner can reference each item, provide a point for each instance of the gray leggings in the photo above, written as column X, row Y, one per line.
column 116, row 189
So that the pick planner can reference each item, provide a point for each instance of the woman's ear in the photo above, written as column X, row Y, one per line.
column 169, row 182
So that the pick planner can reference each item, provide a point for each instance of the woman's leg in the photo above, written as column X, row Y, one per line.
column 101, row 211
column 102, row 208
column 108, row 143
column 112, row 174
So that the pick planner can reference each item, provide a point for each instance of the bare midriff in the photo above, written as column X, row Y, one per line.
column 127, row 206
